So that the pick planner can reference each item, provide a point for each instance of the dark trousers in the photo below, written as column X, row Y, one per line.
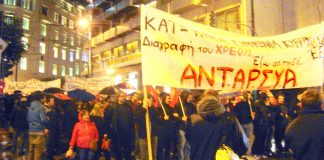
column 24, row 138
column 52, row 144
column 123, row 145
column 259, row 145
column 268, row 139
column 164, row 145
column 279, row 135
column 85, row 154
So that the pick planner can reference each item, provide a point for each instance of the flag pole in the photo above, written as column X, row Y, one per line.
column 182, row 108
column 165, row 115
column 148, row 124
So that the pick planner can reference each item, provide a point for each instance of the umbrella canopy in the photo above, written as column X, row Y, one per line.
column 125, row 86
column 53, row 90
column 110, row 90
column 81, row 95
column 36, row 96
column 61, row 96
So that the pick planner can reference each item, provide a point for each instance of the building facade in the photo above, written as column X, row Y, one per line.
column 116, row 46
column 54, row 44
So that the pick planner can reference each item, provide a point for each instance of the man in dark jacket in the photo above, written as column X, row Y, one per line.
column 123, row 126
column 305, row 135
column 281, row 123
column 53, row 127
column 20, row 124
column 209, row 129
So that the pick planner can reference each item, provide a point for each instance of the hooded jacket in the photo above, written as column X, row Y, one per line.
column 83, row 133
column 36, row 117
column 210, row 128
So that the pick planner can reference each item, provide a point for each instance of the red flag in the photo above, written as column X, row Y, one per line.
column 175, row 93
column 151, row 91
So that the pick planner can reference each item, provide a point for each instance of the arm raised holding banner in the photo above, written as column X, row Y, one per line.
column 166, row 117
column 184, row 118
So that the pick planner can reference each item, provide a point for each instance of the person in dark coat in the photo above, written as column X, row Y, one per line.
column 70, row 118
column 295, row 107
column 20, row 125
column 210, row 128
column 281, row 123
column 155, row 125
column 245, row 114
column 168, row 127
column 140, row 122
column 123, row 126
column 305, row 135
column 261, row 125
column 189, row 109
column 97, row 116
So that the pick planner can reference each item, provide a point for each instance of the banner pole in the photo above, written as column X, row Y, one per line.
column 182, row 108
column 148, row 124
column 165, row 115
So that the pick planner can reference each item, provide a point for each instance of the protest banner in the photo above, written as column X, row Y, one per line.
column 180, row 53
column 31, row 85
column 92, row 85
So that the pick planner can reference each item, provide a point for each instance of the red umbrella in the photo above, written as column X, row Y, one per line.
column 61, row 96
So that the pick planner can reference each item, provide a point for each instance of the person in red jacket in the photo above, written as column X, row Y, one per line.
column 84, row 134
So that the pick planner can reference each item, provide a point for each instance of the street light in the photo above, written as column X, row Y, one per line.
column 86, row 23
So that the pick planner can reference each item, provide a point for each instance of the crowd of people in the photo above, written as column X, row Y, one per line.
column 194, row 128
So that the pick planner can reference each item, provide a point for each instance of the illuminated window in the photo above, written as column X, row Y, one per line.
column 56, row 17
column 63, row 54
column 25, row 23
column 71, row 56
column 229, row 19
column 77, row 54
column 42, row 48
column 54, row 71
column 23, row 63
column 56, row 35
column 41, row 67
column 72, row 41
column 70, row 72
column 26, row 4
column 118, row 51
column 132, row 47
column 76, row 70
column 64, row 38
column 55, row 51
column 43, row 30
column 62, row 71
column 71, row 24
column 10, row 2
column 64, row 21
column 24, row 41
column 85, row 57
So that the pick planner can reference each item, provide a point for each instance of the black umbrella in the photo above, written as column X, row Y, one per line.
column 38, row 95
column 81, row 95
column 110, row 90
column 53, row 90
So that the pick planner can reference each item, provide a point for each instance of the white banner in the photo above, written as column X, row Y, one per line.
column 31, row 85
column 184, row 54
column 92, row 85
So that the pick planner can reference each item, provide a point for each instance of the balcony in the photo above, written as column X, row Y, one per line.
column 180, row 6
column 116, row 31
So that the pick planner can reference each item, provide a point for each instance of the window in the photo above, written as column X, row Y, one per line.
column 70, row 72
column 8, row 18
column 56, row 17
column 54, row 71
column 76, row 70
column 44, row 10
column 69, row 8
column 79, row 41
column 43, row 30
column 23, row 63
column 229, row 19
column 64, row 22
column 71, row 24
column 64, row 38
column 55, row 51
column 24, row 41
column 132, row 47
column 42, row 48
column 56, row 35
column 62, row 71
column 41, row 67
column 72, row 41
column 10, row 2
column 27, row 4
column 85, row 57
column 63, row 54
column 71, row 56
column 25, row 23
column 77, row 54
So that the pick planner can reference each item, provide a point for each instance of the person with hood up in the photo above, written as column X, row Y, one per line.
column 210, row 128
column 84, row 134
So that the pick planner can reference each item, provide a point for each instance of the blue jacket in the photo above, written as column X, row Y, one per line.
column 36, row 117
